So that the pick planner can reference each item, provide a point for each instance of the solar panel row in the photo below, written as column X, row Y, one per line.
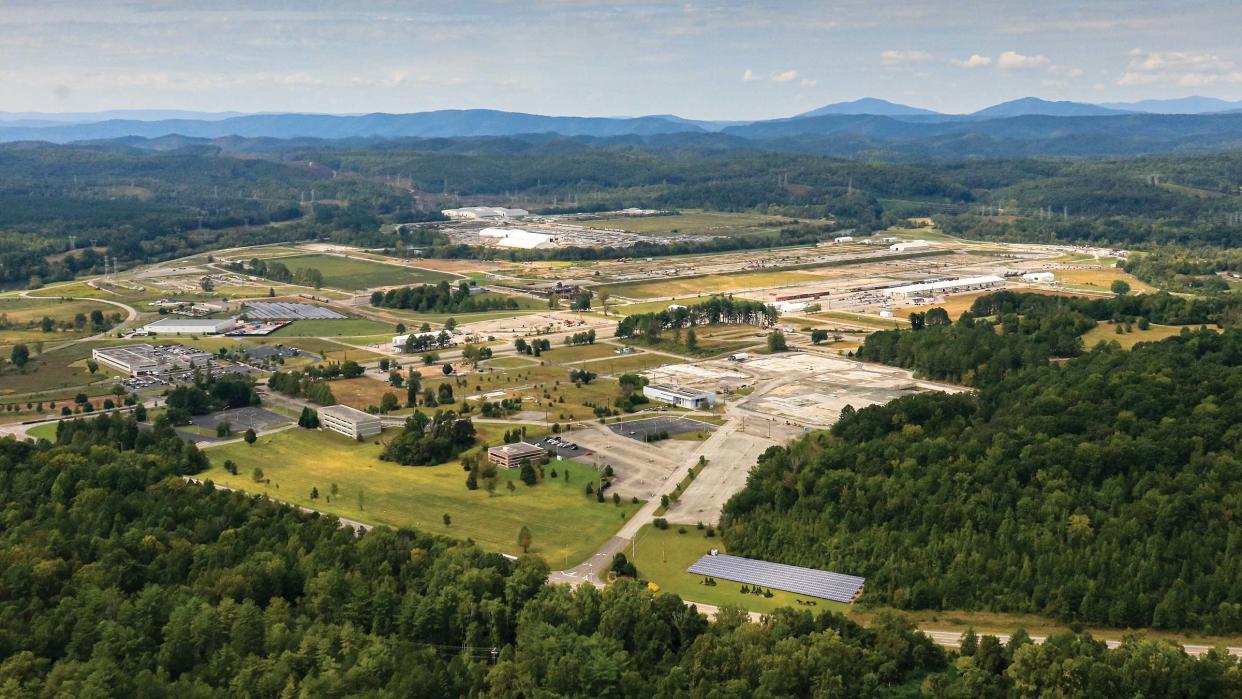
column 276, row 310
column 798, row 580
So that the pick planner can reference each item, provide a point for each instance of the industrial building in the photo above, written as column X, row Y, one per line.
column 144, row 360
column 517, row 238
column 843, row 239
column 1038, row 277
column 681, row 397
column 350, row 422
column 910, row 245
column 484, row 213
column 280, row 310
column 512, row 455
column 945, row 286
column 189, row 326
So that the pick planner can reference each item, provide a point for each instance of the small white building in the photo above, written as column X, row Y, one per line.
column 484, row 213
column 1039, row 277
column 190, row 326
column 843, row 239
column 791, row 306
column 517, row 238
column 691, row 398
column 350, row 422
column 909, row 245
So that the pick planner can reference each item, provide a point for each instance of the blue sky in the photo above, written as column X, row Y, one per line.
column 721, row 60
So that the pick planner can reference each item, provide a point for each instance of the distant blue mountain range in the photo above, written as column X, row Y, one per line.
column 1027, row 126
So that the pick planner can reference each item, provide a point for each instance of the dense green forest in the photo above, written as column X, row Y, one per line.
column 1099, row 489
column 118, row 578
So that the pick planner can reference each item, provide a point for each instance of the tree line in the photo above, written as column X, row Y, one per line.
column 717, row 309
column 441, row 298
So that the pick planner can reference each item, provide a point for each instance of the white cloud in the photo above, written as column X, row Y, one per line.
column 975, row 61
column 785, row 76
column 808, row 83
column 894, row 57
column 1012, row 60
column 1178, row 67
column 748, row 75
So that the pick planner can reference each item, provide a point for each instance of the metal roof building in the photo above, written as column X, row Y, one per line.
column 796, row 579
column 684, row 397
column 190, row 326
column 946, row 286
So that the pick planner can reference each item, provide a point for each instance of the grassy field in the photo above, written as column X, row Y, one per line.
column 509, row 362
column 713, row 340
column 1107, row 332
column 333, row 328
column 327, row 349
column 859, row 319
column 1098, row 280
column 363, row 392
column 46, row 431
column 621, row 363
column 566, row 525
column 22, row 311
column 351, row 273
column 694, row 223
column 664, row 555
column 564, row 354
column 708, row 284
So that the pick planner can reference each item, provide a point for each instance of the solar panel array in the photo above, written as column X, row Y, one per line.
column 276, row 310
column 795, row 579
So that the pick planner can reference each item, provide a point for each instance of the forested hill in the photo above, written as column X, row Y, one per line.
column 1102, row 489
column 120, row 579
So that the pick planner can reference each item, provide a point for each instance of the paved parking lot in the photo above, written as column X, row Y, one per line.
column 643, row 430
column 561, row 449
column 243, row 419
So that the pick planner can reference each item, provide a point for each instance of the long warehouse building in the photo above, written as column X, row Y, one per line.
column 946, row 286
column 190, row 326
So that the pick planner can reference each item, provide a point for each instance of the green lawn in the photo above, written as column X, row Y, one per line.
column 708, row 284
column 347, row 327
column 46, row 431
column 621, row 363
column 509, row 362
column 694, row 223
column 563, row 354
column 567, row 526
column 20, row 312
column 664, row 555
column 353, row 273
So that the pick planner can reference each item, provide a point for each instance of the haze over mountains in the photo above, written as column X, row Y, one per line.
column 873, row 127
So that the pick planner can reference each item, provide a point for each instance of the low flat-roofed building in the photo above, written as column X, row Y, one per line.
column 910, row 245
column 350, row 422
column 946, row 286
column 691, row 398
column 1036, row 277
column 512, row 455
column 134, row 360
column 190, row 326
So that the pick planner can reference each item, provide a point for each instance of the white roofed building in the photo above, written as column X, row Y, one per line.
column 517, row 238
column 189, row 326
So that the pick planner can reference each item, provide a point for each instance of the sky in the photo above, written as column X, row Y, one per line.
column 706, row 60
